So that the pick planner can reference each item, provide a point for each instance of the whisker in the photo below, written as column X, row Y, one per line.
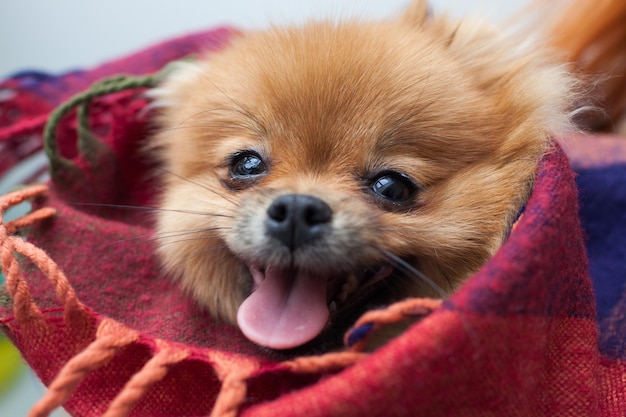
column 231, row 124
column 153, row 237
column 408, row 268
column 145, row 208
column 175, row 233
column 167, row 235
column 372, row 282
column 398, row 229
column 204, row 251
column 182, row 123
column 222, row 195
column 239, row 108
column 191, row 239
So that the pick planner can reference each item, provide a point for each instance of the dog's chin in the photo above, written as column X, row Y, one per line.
column 305, row 310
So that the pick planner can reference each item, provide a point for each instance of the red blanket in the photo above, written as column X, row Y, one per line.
column 109, row 334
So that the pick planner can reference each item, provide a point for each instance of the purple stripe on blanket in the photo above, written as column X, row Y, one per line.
column 600, row 165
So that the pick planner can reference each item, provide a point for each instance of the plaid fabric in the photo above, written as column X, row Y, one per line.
column 600, row 165
column 520, row 338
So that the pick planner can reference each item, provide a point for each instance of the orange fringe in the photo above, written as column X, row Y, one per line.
column 24, row 308
column 395, row 313
column 110, row 338
column 153, row 371
column 233, row 371
column 329, row 362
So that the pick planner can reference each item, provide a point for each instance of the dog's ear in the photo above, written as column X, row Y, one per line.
column 417, row 13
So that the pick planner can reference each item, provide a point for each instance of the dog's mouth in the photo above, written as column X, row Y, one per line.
column 289, row 307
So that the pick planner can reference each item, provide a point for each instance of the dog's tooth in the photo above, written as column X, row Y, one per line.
column 332, row 307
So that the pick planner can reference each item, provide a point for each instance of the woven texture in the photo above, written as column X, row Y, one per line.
column 109, row 335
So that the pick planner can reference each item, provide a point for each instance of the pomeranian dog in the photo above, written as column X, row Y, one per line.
column 335, row 167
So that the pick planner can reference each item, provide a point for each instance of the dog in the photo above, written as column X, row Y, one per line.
column 317, row 171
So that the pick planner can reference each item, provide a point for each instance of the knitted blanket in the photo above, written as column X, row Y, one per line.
column 110, row 335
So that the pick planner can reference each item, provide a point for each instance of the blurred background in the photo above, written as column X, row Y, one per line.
column 62, row 35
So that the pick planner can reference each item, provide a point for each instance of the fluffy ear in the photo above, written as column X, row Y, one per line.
column 417, row 13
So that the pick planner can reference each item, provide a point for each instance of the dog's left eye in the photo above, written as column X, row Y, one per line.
column 247, row 164
column 394, row 187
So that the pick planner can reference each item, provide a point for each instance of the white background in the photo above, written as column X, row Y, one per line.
column 59, row 35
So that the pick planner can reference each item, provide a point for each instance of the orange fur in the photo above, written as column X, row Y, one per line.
column 461, row 109
column 592, row 34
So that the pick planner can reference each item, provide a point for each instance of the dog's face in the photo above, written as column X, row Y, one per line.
column 314, row 170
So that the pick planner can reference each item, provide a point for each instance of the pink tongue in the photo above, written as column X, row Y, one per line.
column 285, row 310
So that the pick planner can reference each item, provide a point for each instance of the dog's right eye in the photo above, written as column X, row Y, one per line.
column 394, row 187
column 247, row 164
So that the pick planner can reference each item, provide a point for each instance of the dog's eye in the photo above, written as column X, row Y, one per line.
column 394, row 187
column 247, row 164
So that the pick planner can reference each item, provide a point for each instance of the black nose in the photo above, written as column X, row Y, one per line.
column 297, row 219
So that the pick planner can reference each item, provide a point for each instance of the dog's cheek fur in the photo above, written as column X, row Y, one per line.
column 200, row 260
column 466, row 218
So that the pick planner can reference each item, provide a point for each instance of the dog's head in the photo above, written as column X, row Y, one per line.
column 314, row 168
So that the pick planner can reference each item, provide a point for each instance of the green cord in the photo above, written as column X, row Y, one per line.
column 81, row 102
